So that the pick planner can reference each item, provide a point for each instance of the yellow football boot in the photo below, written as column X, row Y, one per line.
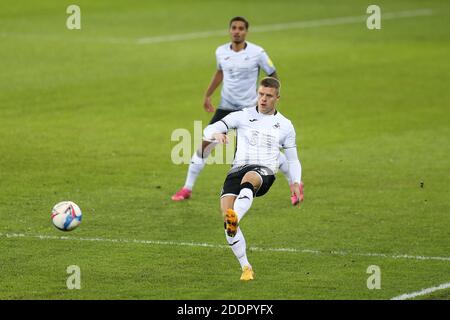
column 247, row 274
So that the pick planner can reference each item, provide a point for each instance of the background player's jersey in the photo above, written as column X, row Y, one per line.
column 240, row 74
column 260, row 137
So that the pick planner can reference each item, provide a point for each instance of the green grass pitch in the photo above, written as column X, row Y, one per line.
column 87, row 115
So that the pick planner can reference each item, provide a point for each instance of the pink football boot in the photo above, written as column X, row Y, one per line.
column 182, row 194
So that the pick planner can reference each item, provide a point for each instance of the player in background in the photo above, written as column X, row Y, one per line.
column 261, row 131
column 238, row 65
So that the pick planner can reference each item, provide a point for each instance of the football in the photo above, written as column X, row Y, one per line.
column 66, row 215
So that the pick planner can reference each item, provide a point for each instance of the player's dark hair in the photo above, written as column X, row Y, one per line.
column 271, row 82
column 240, row 19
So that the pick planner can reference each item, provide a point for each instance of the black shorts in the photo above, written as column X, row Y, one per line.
column 232, row 184
column 220, row 114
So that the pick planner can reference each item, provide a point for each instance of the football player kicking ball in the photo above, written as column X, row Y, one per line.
column 238, row 66
column 261, row 131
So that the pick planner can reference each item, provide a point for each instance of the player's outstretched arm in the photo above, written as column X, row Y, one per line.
column 215, row 82
column 216, row 132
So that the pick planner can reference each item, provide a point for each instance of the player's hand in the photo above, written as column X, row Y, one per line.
column 220, row 138
column 208, row 105
column 296, row 190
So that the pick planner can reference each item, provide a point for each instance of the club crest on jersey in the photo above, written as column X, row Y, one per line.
column 277, row 125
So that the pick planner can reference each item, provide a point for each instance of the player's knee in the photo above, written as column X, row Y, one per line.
column 253, row 178
column 248, row 185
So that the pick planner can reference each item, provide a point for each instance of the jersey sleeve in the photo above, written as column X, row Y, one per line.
column 290, row 151
column 265, row 63
column 294, row 165
column 218, row 66
column 289, row 140
column 224, row 125
column 216, row 127
column 232, row 120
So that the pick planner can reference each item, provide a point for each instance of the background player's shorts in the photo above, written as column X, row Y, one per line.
column 232, row 184
column 220, row 114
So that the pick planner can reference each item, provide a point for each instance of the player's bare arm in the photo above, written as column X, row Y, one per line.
column 215, row 82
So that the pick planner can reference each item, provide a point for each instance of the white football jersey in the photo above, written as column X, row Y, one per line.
column 240, row 74
column 260, row 137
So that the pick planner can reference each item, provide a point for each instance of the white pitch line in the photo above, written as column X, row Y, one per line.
column 218, row 246
column 422, row 292
column 286, row 26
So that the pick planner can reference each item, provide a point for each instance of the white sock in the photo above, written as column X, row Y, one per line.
column 284, row 166
column 195, row 167
column 243, row 202
column 239, row 247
